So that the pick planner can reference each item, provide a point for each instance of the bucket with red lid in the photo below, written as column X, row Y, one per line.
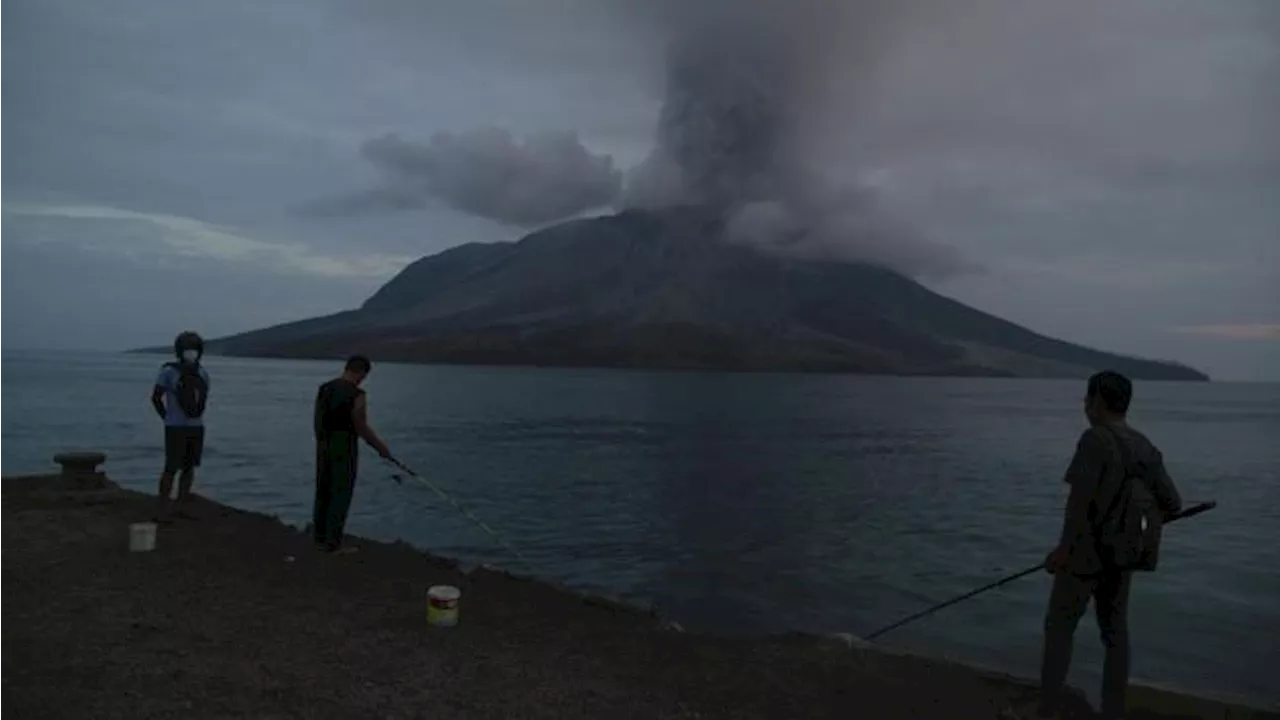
column 442, row 605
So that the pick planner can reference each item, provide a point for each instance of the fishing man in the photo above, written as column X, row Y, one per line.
column 179, row 397
column 1119, row 494
column 341, row 418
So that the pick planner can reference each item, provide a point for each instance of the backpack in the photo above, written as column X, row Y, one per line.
column 191, row 390
column 1128, row 533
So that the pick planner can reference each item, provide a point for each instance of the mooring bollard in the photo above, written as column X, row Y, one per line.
column 80, row 469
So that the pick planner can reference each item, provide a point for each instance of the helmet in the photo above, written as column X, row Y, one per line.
column 188, row 341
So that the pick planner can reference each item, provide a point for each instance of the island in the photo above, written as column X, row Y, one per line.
column 664, row 288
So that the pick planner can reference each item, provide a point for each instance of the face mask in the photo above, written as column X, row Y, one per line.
column 190, row 356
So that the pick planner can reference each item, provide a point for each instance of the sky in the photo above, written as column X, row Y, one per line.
column 1108, row 169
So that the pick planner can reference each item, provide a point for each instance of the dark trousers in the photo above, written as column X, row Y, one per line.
column 335, row 484
column 1067, row 603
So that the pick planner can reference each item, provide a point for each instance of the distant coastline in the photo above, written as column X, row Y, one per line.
column 1189, row 374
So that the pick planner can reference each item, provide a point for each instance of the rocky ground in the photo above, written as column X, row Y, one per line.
column 235, row 615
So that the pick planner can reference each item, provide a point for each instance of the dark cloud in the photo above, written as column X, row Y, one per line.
column 539, row 179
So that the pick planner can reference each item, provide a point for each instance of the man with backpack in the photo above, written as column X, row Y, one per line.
column 179, row 398
column 1120, row 494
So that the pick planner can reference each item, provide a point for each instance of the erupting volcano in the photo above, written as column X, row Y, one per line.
column 727, row 250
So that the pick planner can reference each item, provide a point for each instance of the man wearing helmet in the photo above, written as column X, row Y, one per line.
column 179, row 397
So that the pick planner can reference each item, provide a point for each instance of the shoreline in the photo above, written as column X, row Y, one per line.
column 68, row 562
column 816, row 370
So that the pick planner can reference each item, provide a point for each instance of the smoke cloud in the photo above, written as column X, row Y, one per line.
column 845, row 225
column 743, row 79
column 539, row 179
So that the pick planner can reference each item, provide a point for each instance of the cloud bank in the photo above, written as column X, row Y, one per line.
column 1238, row 331
column 190, row 238
column 487, row 172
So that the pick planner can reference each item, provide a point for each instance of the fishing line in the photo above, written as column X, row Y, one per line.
column 1189, row 512
column 465, row 512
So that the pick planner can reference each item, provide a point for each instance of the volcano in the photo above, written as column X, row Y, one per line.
column 664, row 289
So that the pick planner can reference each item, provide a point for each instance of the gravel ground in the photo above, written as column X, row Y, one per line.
column 235, row 615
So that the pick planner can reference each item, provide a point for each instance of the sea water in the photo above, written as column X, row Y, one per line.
column 752, row 503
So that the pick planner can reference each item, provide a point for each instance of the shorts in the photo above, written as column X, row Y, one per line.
column 183, row 447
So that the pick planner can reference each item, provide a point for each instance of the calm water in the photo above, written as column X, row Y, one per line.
column 742, row 503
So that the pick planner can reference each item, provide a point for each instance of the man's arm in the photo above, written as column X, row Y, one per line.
column 157, row 400
column 318, row 414
column 1083, row 475
column 360, row 414
column 1166, row 493
column 158, row 391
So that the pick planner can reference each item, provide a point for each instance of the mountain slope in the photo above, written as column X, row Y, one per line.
column 660, row 289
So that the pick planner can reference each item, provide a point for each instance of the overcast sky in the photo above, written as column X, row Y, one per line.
column 1112, row 166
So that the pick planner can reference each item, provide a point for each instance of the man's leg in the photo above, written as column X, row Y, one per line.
column 344, row 485
column 1067, row 603
column 324, row 495
column 192, row 452
column 172, row 462
column 166, row 490
column 185, row 479
column 1112, row 607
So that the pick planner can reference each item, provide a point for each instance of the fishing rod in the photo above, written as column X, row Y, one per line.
column 465, row 512
column 1189, row 512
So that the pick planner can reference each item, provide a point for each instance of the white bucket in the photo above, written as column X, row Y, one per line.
column 142, row 537
column 442, row 605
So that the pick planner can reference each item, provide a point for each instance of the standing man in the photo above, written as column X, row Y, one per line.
column 1120, row 493
column 179, row 397
column 341, row 418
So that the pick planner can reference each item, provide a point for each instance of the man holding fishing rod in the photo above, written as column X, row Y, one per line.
column 341, row 419
column 1120, row 495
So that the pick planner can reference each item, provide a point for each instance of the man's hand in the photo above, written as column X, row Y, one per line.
column 383, row 451
column 1056, row 562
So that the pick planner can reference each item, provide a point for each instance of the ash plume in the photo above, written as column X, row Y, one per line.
column 741, row 77
column 742, row 80
column 725, row 117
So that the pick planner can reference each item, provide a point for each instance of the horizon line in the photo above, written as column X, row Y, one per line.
column 4, row 350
